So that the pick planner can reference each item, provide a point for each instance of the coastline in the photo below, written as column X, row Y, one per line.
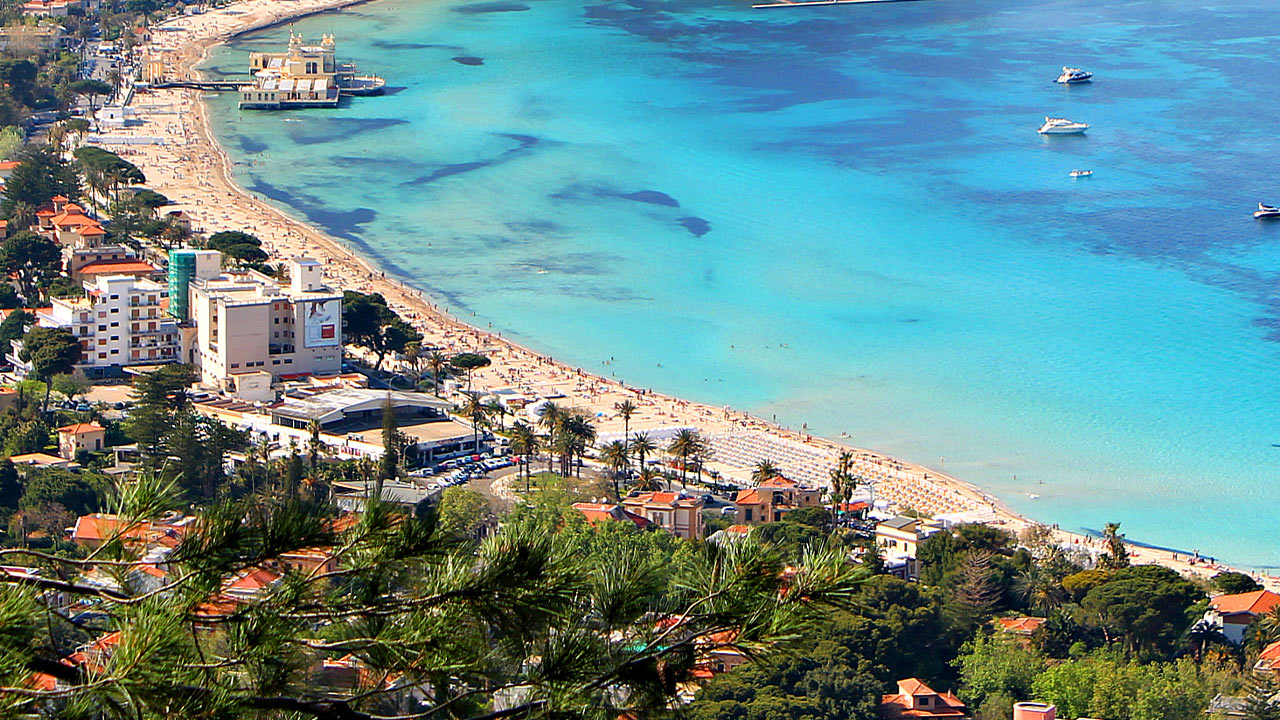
column 194, row 171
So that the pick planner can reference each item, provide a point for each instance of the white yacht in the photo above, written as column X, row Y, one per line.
column 1266, row 212
column 1080, row 173
column 1062, row 126
column 1073, row 76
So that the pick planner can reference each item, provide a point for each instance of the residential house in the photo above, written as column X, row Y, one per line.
column 31, row 39
column 40, row 459
column 89, row 437
column 596, row 513
column 93, row 530
column 1269, row 660
column 8, row 399
column 771, row 499
column 898, row 539
column 915, row 699
column 681, row 516
column 1234, row 613
column 1021, row 627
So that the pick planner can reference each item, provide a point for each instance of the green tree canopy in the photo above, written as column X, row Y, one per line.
column 1145, row 607
column 40, row 175
column 1235, row 582
column 240, row 247
column 518, row 619
column 368, row 322
column 34, row 258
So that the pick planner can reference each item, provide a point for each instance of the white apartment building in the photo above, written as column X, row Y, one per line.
column 246, row 323
column 120, row 321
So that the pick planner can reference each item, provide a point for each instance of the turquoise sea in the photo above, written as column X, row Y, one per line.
column 844, row 217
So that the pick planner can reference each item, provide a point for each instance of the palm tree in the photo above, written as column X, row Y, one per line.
column 615, row 457
column 1266, row 629
column 563, row 446
column 649, row 480
column 524, row 442
column 314, row 446
column 1040, row 589
column 684, row 445
column 475, row 411
column 498, row 410
column 842, row 482
column 765, row 471
column 626, row 409
column 641, row 446
column 23, row 216
column 1118, row 555
column 578, row 428
column 437, row 362
column 550, row 420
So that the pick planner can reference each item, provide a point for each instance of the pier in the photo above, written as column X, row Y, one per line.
column 211, row 85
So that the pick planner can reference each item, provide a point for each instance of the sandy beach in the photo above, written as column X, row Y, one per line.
column 172, row 143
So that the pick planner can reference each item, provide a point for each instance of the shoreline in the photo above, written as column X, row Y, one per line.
column 208, row 191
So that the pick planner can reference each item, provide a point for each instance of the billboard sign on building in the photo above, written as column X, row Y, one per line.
column 320, row 320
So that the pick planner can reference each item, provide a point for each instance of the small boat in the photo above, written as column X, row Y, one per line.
column 1266, row 212
column 1080, row 173
column 1073, row 76
column 1062, row 126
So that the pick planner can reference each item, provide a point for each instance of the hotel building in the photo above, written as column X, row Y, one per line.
column 247, row 323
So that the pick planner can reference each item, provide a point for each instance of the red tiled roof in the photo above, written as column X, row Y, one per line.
column 1258, row 602
column 59, row 198
column 9, row 164
column 45, row 213
column 1020, row 625
column 913, row 686
column 254, row 580
column 750, row 496
column 95, row 527
column 79, row 428
column 600, row 512
column 944, row 705
column 73, row 220
column 93, row 230
column 108, row 267
column 1272, row 651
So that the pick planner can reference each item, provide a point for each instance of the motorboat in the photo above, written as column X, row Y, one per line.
column 1062, row 126
column 1080, row 173
column 1073, row 76
column 1266, row 212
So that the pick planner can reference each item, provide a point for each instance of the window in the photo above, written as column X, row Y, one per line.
column 115, row 297
column 115, row 310
column 235, row 365
column 102, row 328
column 275, row 362
column 102, row 356
column 115, row 324
column 748, row 517
column 114, row 338
column 102, row 341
